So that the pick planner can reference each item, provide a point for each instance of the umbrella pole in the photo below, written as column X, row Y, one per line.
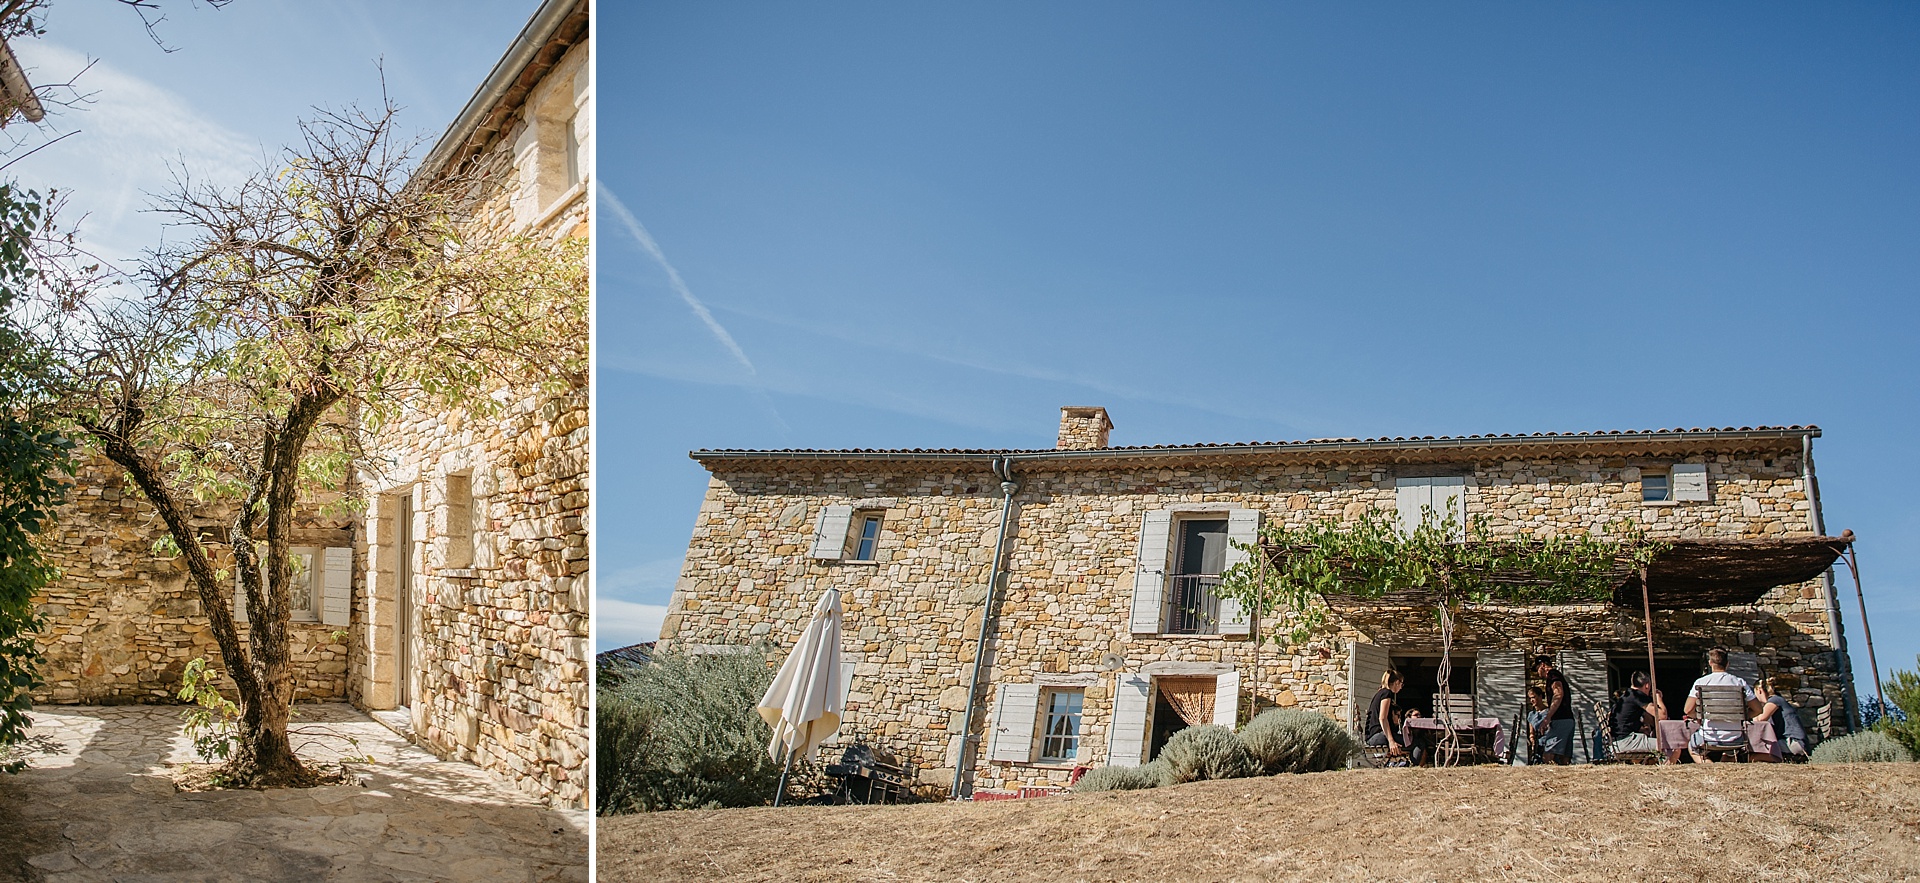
column 782, row 788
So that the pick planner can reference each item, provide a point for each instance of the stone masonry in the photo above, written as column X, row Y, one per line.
column 122, row 619
column 912, row 613
column 490, row 573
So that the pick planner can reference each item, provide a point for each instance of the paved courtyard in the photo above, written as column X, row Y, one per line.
column 100, row 805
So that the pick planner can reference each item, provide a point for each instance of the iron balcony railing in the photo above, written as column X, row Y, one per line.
column 1194, row 604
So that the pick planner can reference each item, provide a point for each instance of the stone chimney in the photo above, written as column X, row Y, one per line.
column 1083, row 429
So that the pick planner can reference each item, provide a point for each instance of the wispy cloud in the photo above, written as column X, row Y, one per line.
column 618, row 623
column 640, row 235
column 132, row 137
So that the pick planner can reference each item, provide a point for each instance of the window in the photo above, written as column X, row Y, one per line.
column 1444, row 495
column 573, row 149
column 1193, row 607
column 866, row 535
column 303, row 588
column 1655, row 488
column 1060, row 740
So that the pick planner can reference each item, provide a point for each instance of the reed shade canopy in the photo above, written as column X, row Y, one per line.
column 1694, row 574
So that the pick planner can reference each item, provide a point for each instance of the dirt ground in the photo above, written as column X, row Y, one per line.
column 1754, row 821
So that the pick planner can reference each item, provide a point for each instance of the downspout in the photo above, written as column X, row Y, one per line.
column 1834, row 627
column 1002, row 469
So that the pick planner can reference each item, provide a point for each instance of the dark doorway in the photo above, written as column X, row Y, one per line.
column 1166, row 722
column 1423, row 680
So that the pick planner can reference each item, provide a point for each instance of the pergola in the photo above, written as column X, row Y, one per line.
column 1689, row 574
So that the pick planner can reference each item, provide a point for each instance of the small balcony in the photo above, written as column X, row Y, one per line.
column 1193, row 604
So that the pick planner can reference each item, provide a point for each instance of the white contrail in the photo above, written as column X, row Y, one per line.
column 640, row 234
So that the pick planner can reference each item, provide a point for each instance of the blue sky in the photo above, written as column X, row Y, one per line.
column 920, row 225
column 235, row 87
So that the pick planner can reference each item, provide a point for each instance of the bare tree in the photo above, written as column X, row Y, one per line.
column 302, row 308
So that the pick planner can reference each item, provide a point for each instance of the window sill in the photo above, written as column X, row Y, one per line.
column 457, row 573
column 1065, row 765
column 1182, row 636
column 1661, row 503
column 862, row 562
column 560, row 204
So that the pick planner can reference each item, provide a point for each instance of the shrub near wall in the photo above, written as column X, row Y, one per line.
column 681, row 733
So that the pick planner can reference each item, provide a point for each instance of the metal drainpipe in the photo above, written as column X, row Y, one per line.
column 1002, row 469
column 1834, row 627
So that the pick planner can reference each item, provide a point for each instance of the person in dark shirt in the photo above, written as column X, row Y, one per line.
column 1787, row 726
column 1555, row 730
column 1634, row 718
column 1384, row 716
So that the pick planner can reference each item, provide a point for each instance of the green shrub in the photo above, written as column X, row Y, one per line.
column 1867, row 747
column 1903, row 690
column 1209, row 751
column 1121, row 778
column 1288, row 740
column 681, row 733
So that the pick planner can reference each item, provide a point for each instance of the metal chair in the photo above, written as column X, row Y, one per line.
column 1725, row 707
column 1612, row 754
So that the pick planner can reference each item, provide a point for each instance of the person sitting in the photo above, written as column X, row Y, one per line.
column 1555, row 731
column 1635, row 717
column 1787, row 726
column 1717, row 734
column 1384, row 719
column 1536, row 715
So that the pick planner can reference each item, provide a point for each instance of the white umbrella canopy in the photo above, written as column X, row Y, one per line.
column 804, row 703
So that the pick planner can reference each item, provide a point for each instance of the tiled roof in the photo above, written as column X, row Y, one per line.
column 1414, row 441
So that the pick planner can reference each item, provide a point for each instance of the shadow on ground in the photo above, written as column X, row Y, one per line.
column 102, row 806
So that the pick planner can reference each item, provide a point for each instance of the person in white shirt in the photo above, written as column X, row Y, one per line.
column 1715, row 734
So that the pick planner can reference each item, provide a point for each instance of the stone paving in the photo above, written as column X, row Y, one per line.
column 99, row 804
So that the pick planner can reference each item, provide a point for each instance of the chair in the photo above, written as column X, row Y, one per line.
column 1454, row 711
column 1611, row 754
column 1726, row 707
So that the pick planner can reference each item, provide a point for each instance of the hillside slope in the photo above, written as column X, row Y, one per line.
column 1765, row 821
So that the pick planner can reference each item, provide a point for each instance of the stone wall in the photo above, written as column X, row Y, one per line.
column 122, row 621
column 495, row 672
column 912, row 613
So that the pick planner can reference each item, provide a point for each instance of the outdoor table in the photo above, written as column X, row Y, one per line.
column 1761, row 742
column 1431, row 728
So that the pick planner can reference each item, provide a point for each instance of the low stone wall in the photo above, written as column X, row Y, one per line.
column 122, row 621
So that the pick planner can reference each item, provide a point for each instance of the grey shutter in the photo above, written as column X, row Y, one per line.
column 1744, row 665
column 1150, row 575
column 336, row 586
column 1014, row 711
column 1500, row 688
column 830, row 532
column 239, row 598
column 1243, row 526
column 1365, row 664
column 1410, row 496
column 1127, row 738
column 1690, row 481
column 1226, row 699
column 1586, row 672
column 1450, row 496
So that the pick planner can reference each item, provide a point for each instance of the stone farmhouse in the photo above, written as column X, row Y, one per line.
column 453, row 601
column 1105, row 637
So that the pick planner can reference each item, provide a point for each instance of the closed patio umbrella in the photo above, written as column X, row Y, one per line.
column 804, row 703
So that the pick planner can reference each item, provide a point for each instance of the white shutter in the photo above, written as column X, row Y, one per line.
column 1014, row 713
column 1127, row 738
column 1690, row 481
column 1410, row 496
column 1150, row 575
column 1243, row 526
column 336, row 587
column 1365, row 664
column 1744, row 665
column 1226, row 699
column 830, row 532
column 1586, row 672
column 1500, row 688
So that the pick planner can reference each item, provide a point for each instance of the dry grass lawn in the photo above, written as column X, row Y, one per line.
column 1755, row 821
